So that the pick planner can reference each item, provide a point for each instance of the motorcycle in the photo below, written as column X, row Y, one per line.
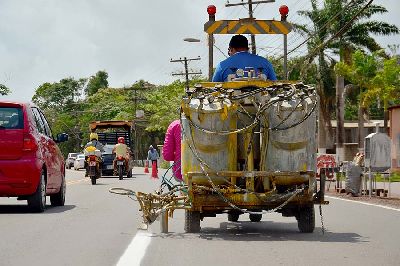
column 120, row 166
column 93, row 163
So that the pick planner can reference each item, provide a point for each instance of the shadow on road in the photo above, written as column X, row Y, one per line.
column 266, row 231
column 24, row 209
column 270, row 231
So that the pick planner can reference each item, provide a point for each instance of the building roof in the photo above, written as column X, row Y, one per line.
column 394, row 107
column 354, row 124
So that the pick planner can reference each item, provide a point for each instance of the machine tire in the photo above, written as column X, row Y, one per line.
column 37, row 201
column 306, row 219
column 233, row 217
column 93, row 179
column 58, row 199
column 192, row 221
column 255, row 218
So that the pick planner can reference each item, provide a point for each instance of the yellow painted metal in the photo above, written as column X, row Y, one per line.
column 289, row 146
column 250, row 160
column 209, row 146
column 242, row 84
column 247, row 26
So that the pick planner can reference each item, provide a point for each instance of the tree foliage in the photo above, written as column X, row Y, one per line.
column 162, row 104
column 386, row 84
column 96, row 82
column 60, row 95
column 4, row 90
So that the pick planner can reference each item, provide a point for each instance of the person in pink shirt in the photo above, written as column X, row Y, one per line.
column 172, row 148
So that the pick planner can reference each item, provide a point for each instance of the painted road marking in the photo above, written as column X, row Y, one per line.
column 365, row 203
column 76, row 181
column 136, row 250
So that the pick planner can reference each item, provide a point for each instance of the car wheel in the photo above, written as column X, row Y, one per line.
column 58, row 199
column 37, row 201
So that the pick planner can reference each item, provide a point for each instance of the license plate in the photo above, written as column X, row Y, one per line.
column 110, row 167
column 120, row 163
column 92, row 163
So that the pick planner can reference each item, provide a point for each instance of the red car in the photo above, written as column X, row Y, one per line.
column 31, row 164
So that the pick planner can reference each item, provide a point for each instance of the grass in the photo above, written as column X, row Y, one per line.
column 395, row 177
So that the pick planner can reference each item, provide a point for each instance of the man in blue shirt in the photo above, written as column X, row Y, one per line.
column 240, row 58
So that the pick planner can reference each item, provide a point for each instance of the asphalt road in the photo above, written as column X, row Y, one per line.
column 95, row 227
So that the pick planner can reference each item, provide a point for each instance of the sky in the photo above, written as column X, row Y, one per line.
column 48, row 40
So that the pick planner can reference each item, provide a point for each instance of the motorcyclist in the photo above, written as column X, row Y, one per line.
column 120, row 149
column 94, row 142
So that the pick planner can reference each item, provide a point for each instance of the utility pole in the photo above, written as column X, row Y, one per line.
column 186, row 61
column 250, row 3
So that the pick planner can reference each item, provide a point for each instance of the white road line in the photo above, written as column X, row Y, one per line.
column 136, row 250
column 365, row 203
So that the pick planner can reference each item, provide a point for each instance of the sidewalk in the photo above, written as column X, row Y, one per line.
column 394, row 187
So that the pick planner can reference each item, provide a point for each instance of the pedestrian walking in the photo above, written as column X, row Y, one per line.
column 152, row 155
column 172, row 148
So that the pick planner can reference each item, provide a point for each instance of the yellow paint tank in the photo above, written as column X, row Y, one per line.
column 217, row 152
column 292, row 149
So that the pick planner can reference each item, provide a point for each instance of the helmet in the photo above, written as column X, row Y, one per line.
column 121, row 140
column 93, row 136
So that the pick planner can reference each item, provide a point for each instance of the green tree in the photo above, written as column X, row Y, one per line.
column 162, row 104
column 361, row 72
column 385, row 86
column 58, row 96
column 357, row 36
column 318, row 33
column 4, row 90
column 96, row 82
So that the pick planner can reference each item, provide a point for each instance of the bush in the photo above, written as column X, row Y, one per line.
column 164, row 165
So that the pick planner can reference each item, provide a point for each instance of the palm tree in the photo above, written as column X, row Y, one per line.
column 318, row 33
column 357, row 36
column 326, row 22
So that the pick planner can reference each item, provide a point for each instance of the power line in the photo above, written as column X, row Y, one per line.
column 250, row 3
column 185, row 61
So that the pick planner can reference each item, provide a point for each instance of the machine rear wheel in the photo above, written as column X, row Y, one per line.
column 233, row 217
column 306, row 219
column 93, row 179
column 192, row 221
column 255, row 217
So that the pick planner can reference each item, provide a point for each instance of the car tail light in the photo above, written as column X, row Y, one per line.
column 29, row 143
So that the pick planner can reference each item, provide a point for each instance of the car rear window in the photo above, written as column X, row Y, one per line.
column 11, row 118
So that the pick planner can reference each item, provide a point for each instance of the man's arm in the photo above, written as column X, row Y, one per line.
column 270, row 71
column 218, row 74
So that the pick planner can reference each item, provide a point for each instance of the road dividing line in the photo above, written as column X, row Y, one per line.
column 136, row 250
column 365, row 203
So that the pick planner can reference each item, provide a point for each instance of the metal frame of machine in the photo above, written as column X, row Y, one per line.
column 248, row 146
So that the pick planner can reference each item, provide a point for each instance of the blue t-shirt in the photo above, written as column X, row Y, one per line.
column 243, row 60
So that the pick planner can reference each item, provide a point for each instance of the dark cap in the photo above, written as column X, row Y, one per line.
column 239, row 41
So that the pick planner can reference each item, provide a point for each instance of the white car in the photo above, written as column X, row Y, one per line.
column 79, row 162
column 69, row 162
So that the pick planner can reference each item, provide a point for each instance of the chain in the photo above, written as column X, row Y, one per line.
column 322, row 219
